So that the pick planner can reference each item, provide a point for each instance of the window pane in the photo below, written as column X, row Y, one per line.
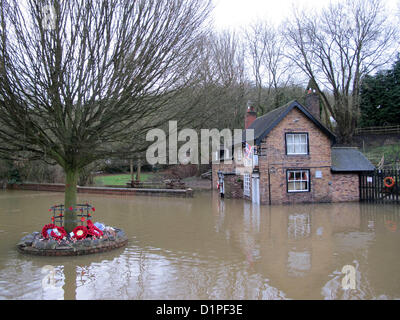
column 291, row 186
column 290, row 149
column 304, row 138
column 303, row 148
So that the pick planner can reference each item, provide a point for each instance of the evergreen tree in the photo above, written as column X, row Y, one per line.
column 380, row 98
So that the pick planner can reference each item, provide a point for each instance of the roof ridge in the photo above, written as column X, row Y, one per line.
column 264, row 124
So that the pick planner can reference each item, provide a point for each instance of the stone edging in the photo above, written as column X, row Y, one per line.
column 32, row 244
column 104, row 190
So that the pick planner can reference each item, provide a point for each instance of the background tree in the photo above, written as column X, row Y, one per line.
column 271, row 70
column 219, row 96
column 84, row 80
column 380, row 98
column 336, row 48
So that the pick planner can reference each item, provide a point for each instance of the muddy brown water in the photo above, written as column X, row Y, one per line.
column 208, row 248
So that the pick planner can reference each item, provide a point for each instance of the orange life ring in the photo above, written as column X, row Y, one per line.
column 391, row 226
column 387, row 184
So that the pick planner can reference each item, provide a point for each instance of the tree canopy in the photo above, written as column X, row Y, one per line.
column 83, row 80
column 380, row 98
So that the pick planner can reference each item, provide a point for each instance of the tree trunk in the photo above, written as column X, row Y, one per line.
column 71, row 190
column 132, row 172
column 139, row 169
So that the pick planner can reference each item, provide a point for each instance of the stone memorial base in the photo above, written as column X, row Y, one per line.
column 34, row 244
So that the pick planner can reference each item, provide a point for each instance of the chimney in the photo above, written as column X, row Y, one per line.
column 251, row 115
column 312, row 102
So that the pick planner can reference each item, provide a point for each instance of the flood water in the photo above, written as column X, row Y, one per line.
column 208, row 248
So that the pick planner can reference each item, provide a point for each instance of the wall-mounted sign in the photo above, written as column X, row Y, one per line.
column 318, row 174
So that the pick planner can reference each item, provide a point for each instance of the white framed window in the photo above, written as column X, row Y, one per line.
column 297, row 143
column 226, row 154
column 240, row 155
column 246, row 185
column 216, row 155
column 298, row 181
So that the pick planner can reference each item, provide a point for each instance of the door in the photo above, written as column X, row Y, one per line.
column 256, row 189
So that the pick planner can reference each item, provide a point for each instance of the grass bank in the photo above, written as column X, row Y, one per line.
column 391, row 153
column 119, row 179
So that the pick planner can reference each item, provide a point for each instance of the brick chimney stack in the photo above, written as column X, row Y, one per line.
column 312, row 101
column 251, row 115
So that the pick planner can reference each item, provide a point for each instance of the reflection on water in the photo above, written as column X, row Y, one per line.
column 208, row 248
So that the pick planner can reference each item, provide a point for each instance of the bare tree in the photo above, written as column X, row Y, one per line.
column 219, row 96
column 336, row 48
column 84, row 80
column 271, row 69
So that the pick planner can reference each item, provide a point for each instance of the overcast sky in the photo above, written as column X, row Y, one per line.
column 239, row 13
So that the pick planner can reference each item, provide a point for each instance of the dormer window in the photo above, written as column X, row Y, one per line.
column 297, row 144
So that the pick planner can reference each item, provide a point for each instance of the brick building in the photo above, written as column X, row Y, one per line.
column 293, row 160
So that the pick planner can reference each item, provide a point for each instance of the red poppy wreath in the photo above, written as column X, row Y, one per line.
column 60, row 235
column 46, row 228
column 80, row 233
column 93, row 230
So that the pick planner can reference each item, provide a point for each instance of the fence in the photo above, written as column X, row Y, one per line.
column 380, row 186
column 378, row 130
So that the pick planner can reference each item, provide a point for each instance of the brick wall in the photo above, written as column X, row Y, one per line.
column 223, row 167
column 275, row 161
column 233, row 187
column 103, row 190
column 345, row 187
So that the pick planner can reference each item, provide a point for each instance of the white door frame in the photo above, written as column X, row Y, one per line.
column 255, row 189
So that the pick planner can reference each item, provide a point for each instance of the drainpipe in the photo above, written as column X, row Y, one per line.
column 269, row 186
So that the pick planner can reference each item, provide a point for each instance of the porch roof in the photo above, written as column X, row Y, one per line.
column 350, row 160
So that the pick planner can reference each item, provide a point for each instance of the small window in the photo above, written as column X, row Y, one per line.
column 297, row 143
column 246, row 185
column 298, row 181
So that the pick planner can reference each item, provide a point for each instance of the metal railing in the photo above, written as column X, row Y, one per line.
column 380, row 186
